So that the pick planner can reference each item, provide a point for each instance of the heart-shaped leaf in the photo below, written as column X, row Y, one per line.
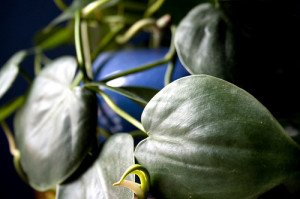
column 97, row 182
column 211, row 139
column 9, row 71
column 56, row 126
column 204, row 42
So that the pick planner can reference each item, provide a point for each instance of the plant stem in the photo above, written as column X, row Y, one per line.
column 168, row 74
column 121, row 91
column 168, row 57
column 37, row 61
column 134, row 29
column 153, row 8
column 217, row 4
column 10, row 138
column 136, row 70
column 10, row 107
column 77, row 79
column 87, row 10
column 119, row 111
column 60, row 4
column 13, row 150
column 140, row 190
column 171, row 66
column 79, row 45
column 25, row 75
column 86, row 49
column 106, row 40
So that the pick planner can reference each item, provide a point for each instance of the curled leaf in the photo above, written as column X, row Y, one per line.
column 141, row 189
column 9, row 71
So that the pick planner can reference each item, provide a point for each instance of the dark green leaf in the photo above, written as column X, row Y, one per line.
column 51, row 38
column 204, row 42
column 56, row 126
column 69, row 12
column 7, row 109
column 75, row 6
column 97, row 181
column 9, row 71
column 179, row 9
column 211, row 139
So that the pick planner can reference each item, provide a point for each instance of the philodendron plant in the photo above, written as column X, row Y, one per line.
column 198, row 137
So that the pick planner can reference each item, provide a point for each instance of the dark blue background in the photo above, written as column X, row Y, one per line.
column 19, row 21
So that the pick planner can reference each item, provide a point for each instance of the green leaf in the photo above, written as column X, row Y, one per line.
column 56, row 126
column 9, row 71
column 204, row 42
column 7, row 109
column 69, row 12
column 211, row 139
column 97, row 181
column 51, row 38
column 75, row 6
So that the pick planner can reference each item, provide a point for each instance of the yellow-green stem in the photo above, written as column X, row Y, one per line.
column 60, row 4
column 119, row 111
column 79, row 45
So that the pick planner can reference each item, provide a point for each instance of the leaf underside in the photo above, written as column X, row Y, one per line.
column 56, row 126
column 9, row 71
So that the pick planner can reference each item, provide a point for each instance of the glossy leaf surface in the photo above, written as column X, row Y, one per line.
column 9, row 71
column 97, row 182
column 211, row 139
column 204, row 42
column 56, row 126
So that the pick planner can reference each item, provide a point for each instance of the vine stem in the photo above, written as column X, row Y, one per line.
column 37, row 62
column 136, row 70
column 106, row 40
column 118, row 110
column 153, row 8
column 171, row 65
column 134, row 29
column 121, row 91
column 87, row 10
column 168, row 57
column 140, row 190
column 10, row 138
column 79, row 45
column 60, row 4
column 217, row 3
column 86, row 49
column 14, row 151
